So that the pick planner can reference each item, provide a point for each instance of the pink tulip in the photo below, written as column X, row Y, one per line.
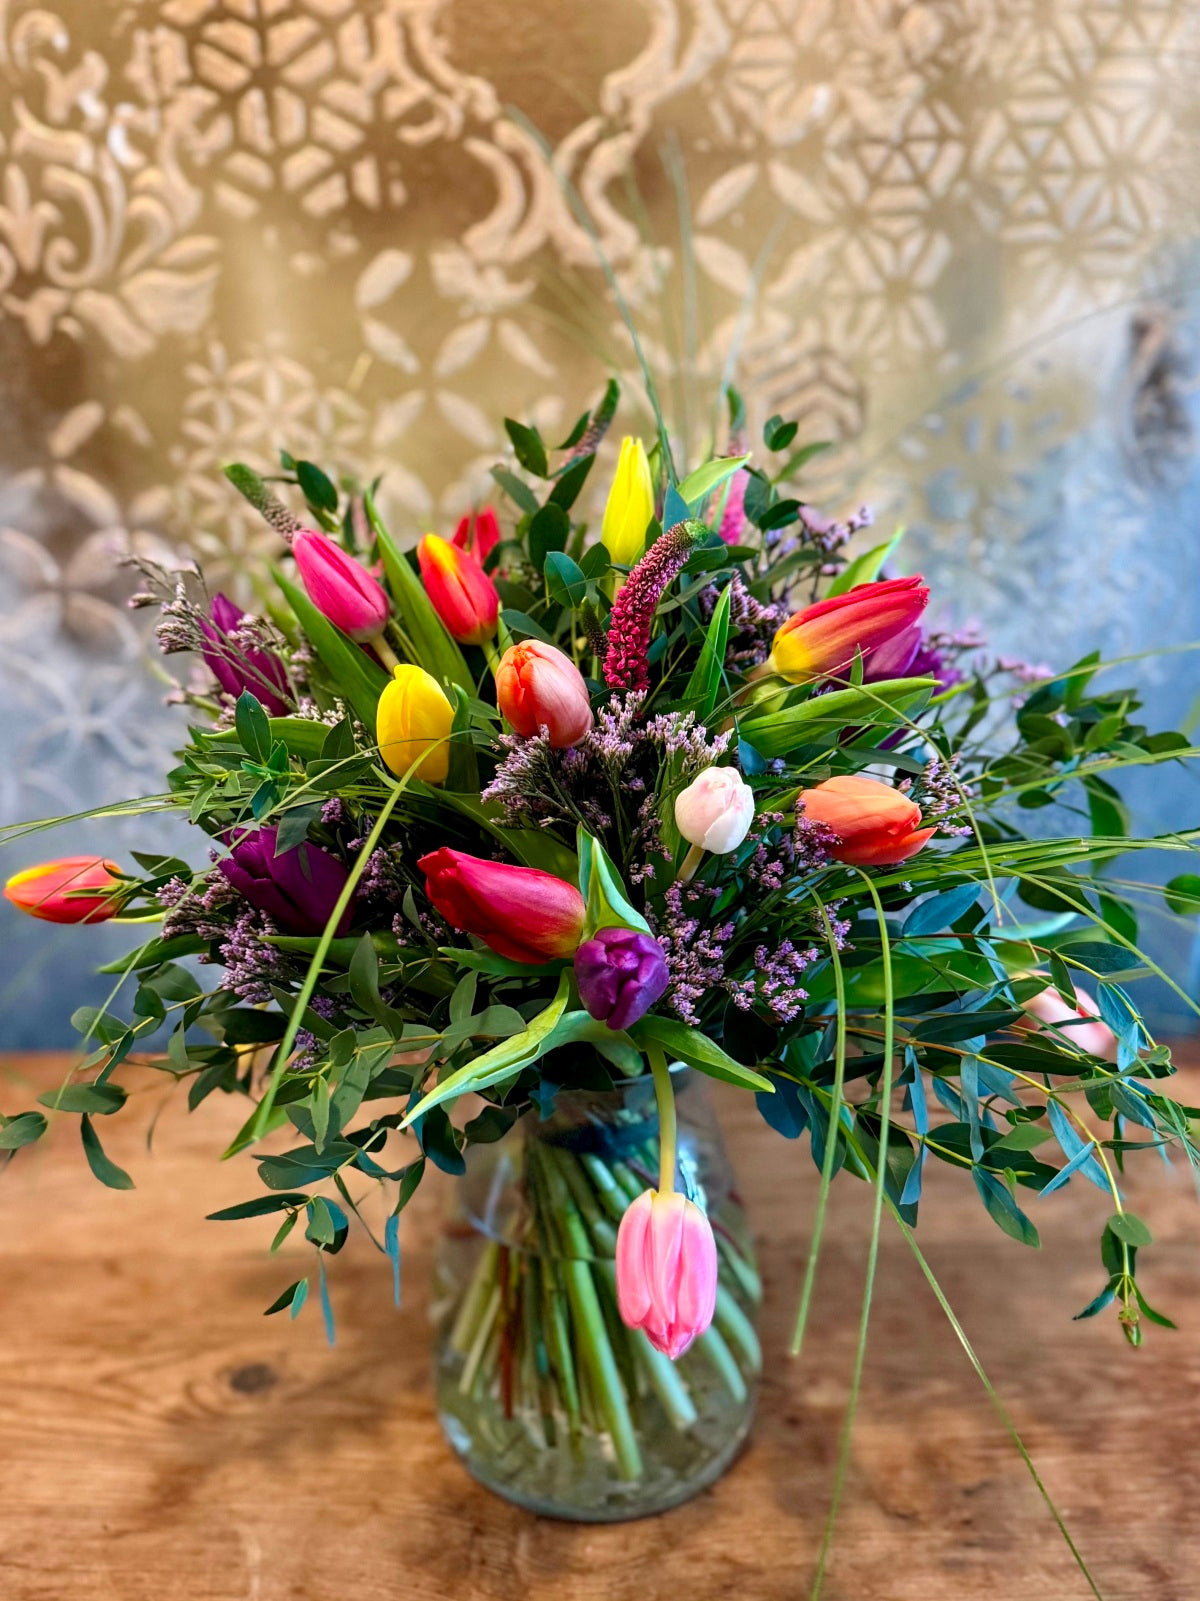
column 339, row 587
column 1096, row 1038
column 666, row 1270
column 876, row 825
column 537, row 687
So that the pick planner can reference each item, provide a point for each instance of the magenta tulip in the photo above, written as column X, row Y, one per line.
column 339, row 587
column 298, row 888
column 240, row 667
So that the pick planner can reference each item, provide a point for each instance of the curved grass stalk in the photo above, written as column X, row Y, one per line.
column 831, row 1138
column 130, row 808
column 259, row 1121
column 885, row 1098
column 575, row 200
column 1002, row 1411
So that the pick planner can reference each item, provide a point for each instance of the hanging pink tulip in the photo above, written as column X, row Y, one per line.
column 666, row 1270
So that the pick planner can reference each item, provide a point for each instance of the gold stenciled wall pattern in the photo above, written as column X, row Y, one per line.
column 228, row 226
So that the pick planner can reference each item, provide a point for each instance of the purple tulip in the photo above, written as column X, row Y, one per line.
column 237, row 667
column 298, row 888
column 621, row 972
column 894, row 658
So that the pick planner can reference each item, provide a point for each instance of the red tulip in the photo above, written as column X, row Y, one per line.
column 463, row 595
column 74, row 889
column 521, row 912
column 539, row 687
column 877, row 825
column 666, row 1270
column 339, row 587
column 823, row 639
column 478, row 533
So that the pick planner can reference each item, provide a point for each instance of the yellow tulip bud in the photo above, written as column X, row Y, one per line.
column 630, row 507
column 414, row 716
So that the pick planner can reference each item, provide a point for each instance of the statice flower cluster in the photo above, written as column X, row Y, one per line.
column 775, row 979
column 308, row 1046
column 694, row 947
column 787, row 847
column 941, row 792
column 538, row 786
column 814, row 531
column 753, row 623
column 200, row 908
column 251, row 965
column 213, row 910
column 614, row 767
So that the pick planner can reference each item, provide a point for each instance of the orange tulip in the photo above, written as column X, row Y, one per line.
column 823, row 639
column 74, row 889
column 539, row 687
column 462, row 594
column 876, row 825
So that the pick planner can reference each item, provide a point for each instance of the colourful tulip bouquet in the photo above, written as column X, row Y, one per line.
column 507, row 824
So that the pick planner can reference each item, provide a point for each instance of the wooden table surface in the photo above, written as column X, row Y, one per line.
column 161, row 1441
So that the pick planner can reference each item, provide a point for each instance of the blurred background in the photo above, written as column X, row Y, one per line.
column 959, row 240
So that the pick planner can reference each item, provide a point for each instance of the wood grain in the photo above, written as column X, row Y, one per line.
column 160, row 1439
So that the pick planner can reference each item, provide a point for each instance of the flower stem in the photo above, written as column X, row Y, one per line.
column 690, row 863
column 385, row 653
column 665, row 1096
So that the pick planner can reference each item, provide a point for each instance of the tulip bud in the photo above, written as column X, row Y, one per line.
column 733, row 518
column 539, row 687
column 240, row 667
column 823, row 639
column 461, row 593
column 414, row 716
column 666, row 1270
column 621, row 972
column 520, row 912
column 1077, row 1025
column 298, row 888
column 478, row 533
column 715, row 811
column 877, row 825
column 340, row 587
column 630, row 507
column 73, row 889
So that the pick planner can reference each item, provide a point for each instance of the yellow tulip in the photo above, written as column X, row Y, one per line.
column 414, row 716
column 630, row 507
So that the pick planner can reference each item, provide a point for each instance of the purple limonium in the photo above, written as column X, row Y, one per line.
column 621, row 972
column 237, row 664
column 298, row 888
column 625, row 661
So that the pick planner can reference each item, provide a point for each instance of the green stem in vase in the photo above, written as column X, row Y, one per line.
column 665, row 1096
column 587, row 1315
column 737, row 1329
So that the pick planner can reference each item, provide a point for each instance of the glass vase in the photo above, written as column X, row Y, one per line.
column 545, row 1394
